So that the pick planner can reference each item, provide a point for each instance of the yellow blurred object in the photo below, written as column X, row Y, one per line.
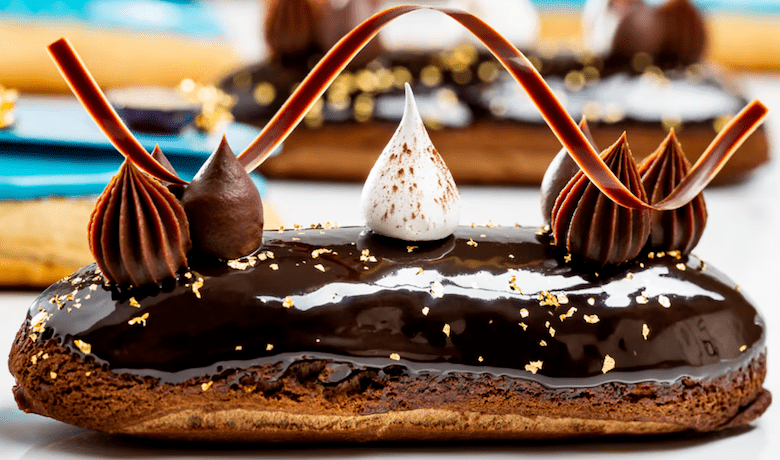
column 215, row 104
column 8, row 98
column 114, row 57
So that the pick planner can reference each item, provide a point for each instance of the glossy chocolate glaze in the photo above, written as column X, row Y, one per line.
column 450, row 306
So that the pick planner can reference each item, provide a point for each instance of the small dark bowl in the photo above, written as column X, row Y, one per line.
column 153, row 109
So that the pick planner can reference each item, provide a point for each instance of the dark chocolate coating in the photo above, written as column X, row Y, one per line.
column 361, row 313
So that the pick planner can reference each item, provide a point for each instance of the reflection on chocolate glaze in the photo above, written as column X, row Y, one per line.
column 485, row 300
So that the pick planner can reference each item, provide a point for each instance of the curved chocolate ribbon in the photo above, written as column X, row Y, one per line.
column 563, row 126
column 92, row 98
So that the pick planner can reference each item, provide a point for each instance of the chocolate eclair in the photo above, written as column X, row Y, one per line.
column 412, row 327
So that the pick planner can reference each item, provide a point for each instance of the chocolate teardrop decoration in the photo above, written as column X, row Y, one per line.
column 661, row 172
column 591, row 225
column 176, row 189
column 224, row 207
column 685, row 32
column 338, row 18
column 562, row 168
column 290, row 26
column 138, row 231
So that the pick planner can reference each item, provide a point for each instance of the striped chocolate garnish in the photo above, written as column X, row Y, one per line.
column 92, row 98
column 680, row 229
column 138, row 231
column 587, row 223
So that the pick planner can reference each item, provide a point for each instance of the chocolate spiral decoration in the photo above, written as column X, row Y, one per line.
column 138, row 232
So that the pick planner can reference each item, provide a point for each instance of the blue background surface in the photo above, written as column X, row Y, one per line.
column 56, row 149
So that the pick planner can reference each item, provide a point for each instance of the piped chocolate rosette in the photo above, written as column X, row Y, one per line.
column 412, row 328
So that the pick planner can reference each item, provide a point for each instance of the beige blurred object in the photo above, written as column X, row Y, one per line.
column 115, row 58
column 42, row 241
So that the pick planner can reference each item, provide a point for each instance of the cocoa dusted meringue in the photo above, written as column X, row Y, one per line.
column 560, row 171
column 589, row 224
column 138, row 232
column 661, row 172
column 224, row 208
column 409, row 193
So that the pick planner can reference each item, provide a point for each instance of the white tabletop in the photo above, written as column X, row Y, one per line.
column 741, row 239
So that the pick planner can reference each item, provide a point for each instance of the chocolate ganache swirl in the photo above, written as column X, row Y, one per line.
column 485, row 300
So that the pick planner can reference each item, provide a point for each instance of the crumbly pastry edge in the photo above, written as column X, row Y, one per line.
column 213, row 411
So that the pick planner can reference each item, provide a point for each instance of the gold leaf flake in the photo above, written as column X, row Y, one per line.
column 395, row 356
column 139, row 320
column 437, row 290
column 206, row 386
column 645, row 331
column 420, row 271
column 446, row 329
column 320, row 267
column 609, row 364
column 681, row 267
column 524, row 326
column 568, row 314
column 562, row 299
column 288, row 302
column 591, row 301
column 524, row 312
column 318, row 252
column 88, row 373
column 237, row 264
column 547, row 299
column 567, row 259
column 425, row 311
column 664, row 301
column 742, row 348
column 269, row 347
column 543, row 343
column 480, row 359
column 83, row 346
column 533, row 367
column 134, row 303
column 472, row 243
column 641, row 300
column 552, row 332
column 274, row 267
column 411, row 248
column 196, row 285
column 591, row 319
column 53, row 375
column 239, row 347
column 93, row 287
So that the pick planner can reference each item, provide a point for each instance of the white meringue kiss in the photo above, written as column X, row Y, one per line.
column 410, row 193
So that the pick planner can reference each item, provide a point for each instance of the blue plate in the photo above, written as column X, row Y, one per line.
column 55, row 149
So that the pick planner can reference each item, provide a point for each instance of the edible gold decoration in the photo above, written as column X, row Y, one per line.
column 8, row 98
